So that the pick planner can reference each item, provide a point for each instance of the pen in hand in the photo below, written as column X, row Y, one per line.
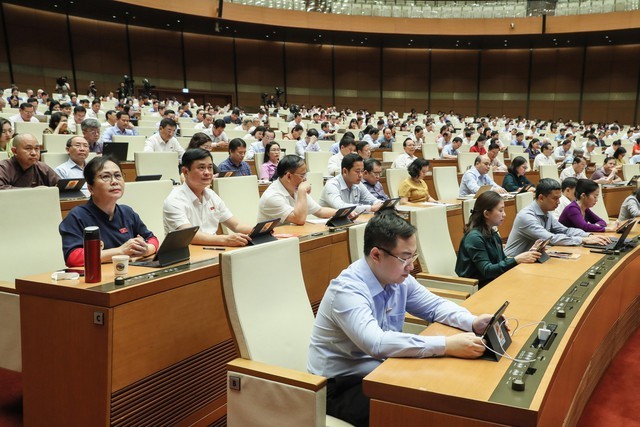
column 209, row 248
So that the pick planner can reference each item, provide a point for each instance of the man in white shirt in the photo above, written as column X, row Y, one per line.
column 289, row 197
column 496, row 164
column 614, row 146
column 78, row 150
column 94, row 111
column 347, row 189
column 309, row 143
column 418, row 136
column 111, row 119
column 219, row 139
column 477, row 176
column 576, row 170
column 79, row 113
column 24, row 115
column 297, row 120
column 347, row 146
column 568, row 195
column 195, row 203
column 164, row 140
column 206, row 124
column 545, row 157
column 405, row 159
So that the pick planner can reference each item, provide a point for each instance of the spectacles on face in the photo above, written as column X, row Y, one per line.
column 107, row 177
column 301, row 175
column 405, row 262
column 78, row 146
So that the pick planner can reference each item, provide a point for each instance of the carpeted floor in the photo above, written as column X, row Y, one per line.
column 614, row 403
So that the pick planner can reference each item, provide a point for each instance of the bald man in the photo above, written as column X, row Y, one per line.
column 477, row 176
column 25, row 169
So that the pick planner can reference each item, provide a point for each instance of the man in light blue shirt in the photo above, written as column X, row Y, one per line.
column 78, row 150
column 477, row 176
column 536, row 222
column 122, row 127
column 359, row 321
column 346, row 189
column 450, row 151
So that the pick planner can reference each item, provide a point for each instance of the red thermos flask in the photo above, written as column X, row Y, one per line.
column 92, row 264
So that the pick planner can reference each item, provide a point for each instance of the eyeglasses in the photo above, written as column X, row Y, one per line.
column 405, row 262
column 76, row 146
column 107, row 177
column 301, row 175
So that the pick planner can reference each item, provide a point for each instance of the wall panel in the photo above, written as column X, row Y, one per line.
column 357, row 71
column 454, row 81
column 37, row 57
column 5, row 78
column 405, row 76
column 156, row 55
column 100, row 54
column 503, row 85
column 259, row 69
column 309, row 74
column 209, row 63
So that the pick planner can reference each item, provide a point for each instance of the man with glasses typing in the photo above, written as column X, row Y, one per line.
column 359, row 321
column 25, row 169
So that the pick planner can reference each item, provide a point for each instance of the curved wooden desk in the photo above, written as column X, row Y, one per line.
column 152, row 352
column 447, row 391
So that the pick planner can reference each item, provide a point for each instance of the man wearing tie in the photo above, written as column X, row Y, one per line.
column 477, row 176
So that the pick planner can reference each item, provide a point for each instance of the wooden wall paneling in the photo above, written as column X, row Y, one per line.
column 405, row 76
column 454, row 83
column 357, row 71
column 309, row 74
column 38, row 58
column 555, row 83
column 209, row 64
column 503, row 85
column 156, row 55
column 100, row 51
column 260, row 69
column 5, row 78
column 611, row 80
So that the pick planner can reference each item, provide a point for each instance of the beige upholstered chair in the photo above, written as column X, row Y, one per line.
column 356, row 241
column 147, row 199
column 34, row 247
column 136, row 144
column 317, row 184
column 515, row 151
column 436, row 254
column 598, row 159
column 397, row 146
column 600, row 209
column 523, row 200
column 241, row 195
column 4, row 155
column 34, row 129
column 317, row 161
column 390, row 156
column 56, row 143
column 445, row 179
column 550, row 171
column 394, row 178
column 629, row 171
column 465, row 161
column 272, row 327
column 153, row 163
column 430, row 151
column 467, row 206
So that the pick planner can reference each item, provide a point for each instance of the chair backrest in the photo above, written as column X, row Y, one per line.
column 54, row 159
column 390, row 156
column 523, row 200
column 316, row 179
column 136, row 144
column 356, row 241
column 598, row 159
column 629, row 171
column 318, row 161
column 55, row 143
column 549, row 171
column 465, row 161
column 445, row 179
column 39, row 211
column 289, row 146
column 241, row 195
column 600, row 209
column 467, row 206
column 146, row 131
column 394, row 178
column 430, row 151
column 436, row 253
column 515, row 150
column 4, row 155
column 325, row 144
column 271, row 324
column 34, row 129
column 464, row 148
column 219, row 157
column 397, row 146
column 147, row 199
column 152, row 163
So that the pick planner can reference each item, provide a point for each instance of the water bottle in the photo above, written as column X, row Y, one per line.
column 92, row 264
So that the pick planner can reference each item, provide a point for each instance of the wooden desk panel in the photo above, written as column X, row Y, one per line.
column 451, row 391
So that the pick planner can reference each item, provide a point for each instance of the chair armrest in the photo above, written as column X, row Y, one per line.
column 278, row 374
column 450, row 294
column 448, row 279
